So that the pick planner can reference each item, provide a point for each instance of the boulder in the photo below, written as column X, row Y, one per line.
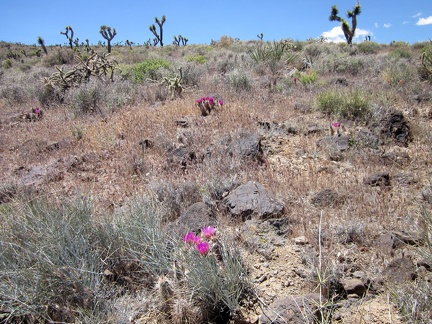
column 246, row 145
column 292, row 309
column 196, row 216
column 325, row 198
column 252, row 200
column 378, row 179
column 354, row 286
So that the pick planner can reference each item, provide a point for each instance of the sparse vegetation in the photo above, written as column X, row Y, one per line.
column 343, row 144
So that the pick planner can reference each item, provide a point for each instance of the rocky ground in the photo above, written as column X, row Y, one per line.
column 327, row 218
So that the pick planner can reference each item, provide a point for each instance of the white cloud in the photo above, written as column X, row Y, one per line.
column 405, row 22
column 376, row 25
column 417, row 15
column 336, row 35
column 424, row 21
column 387, row 25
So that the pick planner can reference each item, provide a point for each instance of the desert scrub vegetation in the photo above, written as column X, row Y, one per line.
column 58, row 263
column 145, row 157
column 354, row 104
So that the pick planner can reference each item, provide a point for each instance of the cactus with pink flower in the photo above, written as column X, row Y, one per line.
column 207, row 104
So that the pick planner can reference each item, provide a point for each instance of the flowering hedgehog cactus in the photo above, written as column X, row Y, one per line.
column 207, row 104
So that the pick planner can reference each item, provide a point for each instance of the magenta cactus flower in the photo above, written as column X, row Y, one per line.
column 221, row 102
column 198, row 100
column 203, row 248
column 335, row 124
column 37, row 111
column 208, row 231
column 189, row 238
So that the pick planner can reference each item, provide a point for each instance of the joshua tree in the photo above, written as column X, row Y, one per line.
column 128, row 43
column 69, row 38
column 180, row 40
column 41, row 42
column 108, row 35
column 349, row 33
column 260, row 36
column 159, row 37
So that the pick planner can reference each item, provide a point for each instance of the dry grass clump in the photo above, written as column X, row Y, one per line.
column 58, row 264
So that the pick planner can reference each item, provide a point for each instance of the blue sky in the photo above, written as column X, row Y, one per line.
column 201, row 21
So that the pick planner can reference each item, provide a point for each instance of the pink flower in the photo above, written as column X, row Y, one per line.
column 199, row 100
column 335, row 124
column 190, row 238
column 203, row 248
column 221, row 102
column 37, row 111
column 208, row 231
column 196, row 240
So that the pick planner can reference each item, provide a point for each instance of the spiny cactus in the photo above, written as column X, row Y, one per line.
column 96, row 65
column 108, row 34
column 41, row 42
column 348, row 32
column 69, row 37
column 174, row 84
column 426, row 60
column 159, row 37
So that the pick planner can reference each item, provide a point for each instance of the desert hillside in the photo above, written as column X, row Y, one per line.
column 237, row 182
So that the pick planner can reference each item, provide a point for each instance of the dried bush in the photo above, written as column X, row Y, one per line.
column 14, row 94
column 62, row 56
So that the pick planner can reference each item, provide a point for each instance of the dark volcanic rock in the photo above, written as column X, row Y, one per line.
column 247, row 145
column 326, row 197
column 292, row 309
column 378, row 179
column 252, row 200
column 196, row 217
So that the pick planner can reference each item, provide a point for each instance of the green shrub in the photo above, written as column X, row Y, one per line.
column 368, row 47
column 7, row 64
column 149, row 69
column 239, row 81
column 198, row 59
column 395, row 74
column 352, row 105
column 307, row 78
column 349, row 65
column 402, row 52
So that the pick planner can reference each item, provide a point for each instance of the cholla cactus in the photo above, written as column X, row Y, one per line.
column 348, row 32
column 174, row 84
column 207, row 104
column 426, row 60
